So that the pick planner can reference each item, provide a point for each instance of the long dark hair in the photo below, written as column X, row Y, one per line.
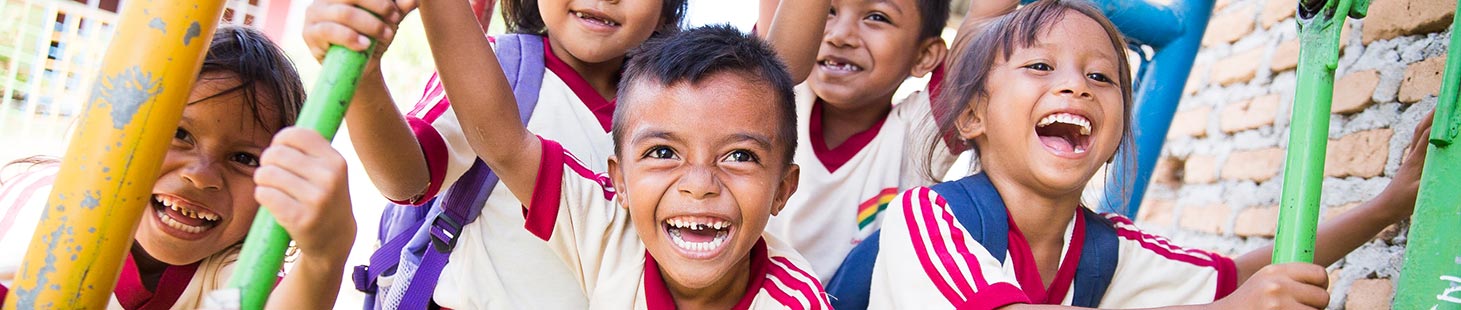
column 522, row 16
column 969, row 72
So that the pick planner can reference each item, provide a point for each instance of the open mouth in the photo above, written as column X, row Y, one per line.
column 595, row 18
column 1065, row 133
column 836, row 65
column 182, row 218
column 698, row 236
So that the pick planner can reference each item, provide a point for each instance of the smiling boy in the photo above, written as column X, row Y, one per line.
column 704, row 135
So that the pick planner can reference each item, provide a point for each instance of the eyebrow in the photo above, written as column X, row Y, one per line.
column 759, row 140
column 891, row 4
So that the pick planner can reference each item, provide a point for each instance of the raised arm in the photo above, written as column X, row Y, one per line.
column 486, row 106
column 980, row 11
column 794, row 29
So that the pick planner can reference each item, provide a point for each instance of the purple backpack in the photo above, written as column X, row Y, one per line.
column 416, row 241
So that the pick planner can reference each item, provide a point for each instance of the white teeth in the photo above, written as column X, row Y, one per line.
column 167, row 220
column 1067, row 118
column 590, row 17
column 840, row 66
column 175, row 206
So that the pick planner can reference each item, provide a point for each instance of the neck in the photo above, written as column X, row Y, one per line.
column 840, row 121
column 724, row 294
column 603, row 76
column 148, row 269
column 1041, row 217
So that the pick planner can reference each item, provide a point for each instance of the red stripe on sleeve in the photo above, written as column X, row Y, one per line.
column 542, row 211
column 433, row 146
column 916, row 237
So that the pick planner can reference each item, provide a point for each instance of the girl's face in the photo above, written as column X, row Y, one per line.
column 595, row 31
column 1055, row 112
column 203, row 201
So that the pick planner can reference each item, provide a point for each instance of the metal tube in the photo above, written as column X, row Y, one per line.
column 107, row 174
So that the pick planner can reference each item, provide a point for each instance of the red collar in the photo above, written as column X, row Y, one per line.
column 834, row 158
column 602, row 108
column 1029, row 274
column 131, row 294
column 658, row 294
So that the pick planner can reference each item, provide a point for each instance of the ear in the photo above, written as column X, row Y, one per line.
column 788, row 187
column 970, row 122
column 930, row 55
column 616, row 177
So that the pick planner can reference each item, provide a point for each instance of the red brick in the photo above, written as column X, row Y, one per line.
column 1286, row 57
column 1250, row 114
column 1191, row 122
column 1361, row 154
column 1155, row 212
column 1393, row 18
column 1276, row 11
column 1168, row 171
column 1253, row 165
column 1366, row 294
column 1422, row 79
column 1229, row 26
column 1257, row 222
column 1238, row 68
column 1199, row 169
column 1209, row 219
column 1353, row 91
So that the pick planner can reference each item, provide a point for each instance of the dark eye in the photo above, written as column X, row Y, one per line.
column 741, row 156
column 1039, row 66
column 878, row 17
column 832, row 12
column 1100, row 77
column 660, row 152
column 247, row 159
column 181, row 134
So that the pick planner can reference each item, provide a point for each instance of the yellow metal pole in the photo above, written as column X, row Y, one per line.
column 113, row 160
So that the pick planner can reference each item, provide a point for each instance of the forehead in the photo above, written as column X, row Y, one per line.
column 209, row 104
column 722, row 103
column 1076, row 31
column 905, row 7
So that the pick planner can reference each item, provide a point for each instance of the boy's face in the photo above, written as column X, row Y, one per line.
column 1056, row 113
column 203, row 201
column 701, row 169
column 868, row 49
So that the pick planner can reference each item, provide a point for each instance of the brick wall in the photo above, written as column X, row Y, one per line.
column 1218, row 182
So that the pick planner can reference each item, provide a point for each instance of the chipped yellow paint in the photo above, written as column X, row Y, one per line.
column 113, row 160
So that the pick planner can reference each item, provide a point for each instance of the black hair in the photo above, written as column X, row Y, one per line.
column 522, row 16
column 267, row 79
column 969, row 72
column 934, row 14
column 694, row 54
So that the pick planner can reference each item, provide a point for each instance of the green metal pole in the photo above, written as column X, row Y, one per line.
column 1303, row 174
column 263, row 250
column 1431, row 276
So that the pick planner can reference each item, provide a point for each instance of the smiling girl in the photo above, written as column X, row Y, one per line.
column 225, row 160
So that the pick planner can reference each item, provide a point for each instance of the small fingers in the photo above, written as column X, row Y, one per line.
column 320, row 36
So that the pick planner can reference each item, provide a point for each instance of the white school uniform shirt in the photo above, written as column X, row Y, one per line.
column 928, row 260
column 495, row 264
column 573, row 209
column 22, row 202
column 843, row 191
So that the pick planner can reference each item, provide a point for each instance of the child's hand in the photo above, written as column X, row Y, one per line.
column 1399, row 196
column 1285, row 286
column 301, row 179
column 352, row 24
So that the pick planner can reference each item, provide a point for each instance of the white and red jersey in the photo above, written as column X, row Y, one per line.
column 928, row 260
column 843, row 190
column 23, row 200
column 487, row 266
column 573, row 209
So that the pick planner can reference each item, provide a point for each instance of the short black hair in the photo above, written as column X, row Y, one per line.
column 267, row 78
column 695, row 54
column 934, row 15
column 522, row 16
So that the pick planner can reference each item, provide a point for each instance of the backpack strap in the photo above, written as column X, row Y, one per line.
column 1098, row 260
column 522, row 59
column 979, row 208
column 852, row 283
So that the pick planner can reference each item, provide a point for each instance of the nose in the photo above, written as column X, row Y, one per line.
column 1074, row 84
column 839, row 31
column 202, row 174
column 699, row 182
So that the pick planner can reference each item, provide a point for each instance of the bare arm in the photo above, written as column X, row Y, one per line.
column 980, row 12
column 795, row 31
column 486, row 107
column 1346, row 232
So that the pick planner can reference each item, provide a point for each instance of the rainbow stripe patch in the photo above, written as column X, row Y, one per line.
column 867, row 211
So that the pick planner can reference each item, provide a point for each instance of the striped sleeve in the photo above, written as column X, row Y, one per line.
column 789, row 280
column 22, row 200
column 1152, row 271
column 573, row 209
column 929, row 261
column 440, row 135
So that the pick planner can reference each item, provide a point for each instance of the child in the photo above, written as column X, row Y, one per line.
column 858, row 148
column 585, row 46
column 1045, row 97
column 694, row 199
column 215, row 175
